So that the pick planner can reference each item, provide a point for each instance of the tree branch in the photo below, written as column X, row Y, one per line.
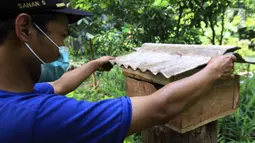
column 212, row 28
column 223, row 26
column 92, row 58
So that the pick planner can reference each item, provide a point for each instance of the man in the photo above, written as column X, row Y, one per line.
column 31, row 34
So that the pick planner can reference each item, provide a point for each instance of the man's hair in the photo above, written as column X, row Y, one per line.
column 41, row 20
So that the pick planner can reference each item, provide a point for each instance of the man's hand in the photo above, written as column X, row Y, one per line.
column 72, row 80
column 103, row 63
column 222, row 66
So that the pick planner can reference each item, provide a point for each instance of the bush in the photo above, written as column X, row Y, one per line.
column 110, row 85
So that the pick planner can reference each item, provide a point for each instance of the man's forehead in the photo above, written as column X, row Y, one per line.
column 61, row 19
column 61, row 23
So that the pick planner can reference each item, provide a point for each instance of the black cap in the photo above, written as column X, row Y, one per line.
column 12, row 8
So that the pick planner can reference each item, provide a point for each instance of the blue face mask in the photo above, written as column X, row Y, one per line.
column 53, row 71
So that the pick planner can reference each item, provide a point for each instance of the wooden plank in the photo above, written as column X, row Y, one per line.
column 236, row 100
column 139, row 88
column 215, row 104
column 162, row 134
column 202, row 123
column 221, row 101
column 146, row 76
column 196, row 124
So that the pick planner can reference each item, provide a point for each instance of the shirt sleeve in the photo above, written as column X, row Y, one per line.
column 69, row 121
column 43, row 88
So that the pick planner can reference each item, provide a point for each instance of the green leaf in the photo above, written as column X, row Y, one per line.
column 90, row 36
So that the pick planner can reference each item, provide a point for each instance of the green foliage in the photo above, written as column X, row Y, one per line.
column 119, row 26
column 111, row 85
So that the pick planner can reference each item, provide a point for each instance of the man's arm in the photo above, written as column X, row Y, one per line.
column 161, row 106
column 73, row 79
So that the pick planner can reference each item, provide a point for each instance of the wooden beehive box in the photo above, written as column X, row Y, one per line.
column 154, row 65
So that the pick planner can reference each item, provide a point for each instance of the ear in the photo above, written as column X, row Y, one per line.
column 23, row 27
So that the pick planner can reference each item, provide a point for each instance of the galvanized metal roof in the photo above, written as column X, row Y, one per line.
column 170, row 59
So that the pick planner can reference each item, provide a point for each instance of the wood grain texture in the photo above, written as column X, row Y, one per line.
column 197, row 124
column 162, row 134
column 216, row 103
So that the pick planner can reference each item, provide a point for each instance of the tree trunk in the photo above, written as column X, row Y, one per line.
column 223, row 26
column 213, row 30
column 92, row 58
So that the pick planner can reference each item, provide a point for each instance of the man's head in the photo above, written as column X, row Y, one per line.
column 17, row 28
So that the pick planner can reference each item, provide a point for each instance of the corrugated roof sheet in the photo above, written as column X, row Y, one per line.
column 170, row 59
